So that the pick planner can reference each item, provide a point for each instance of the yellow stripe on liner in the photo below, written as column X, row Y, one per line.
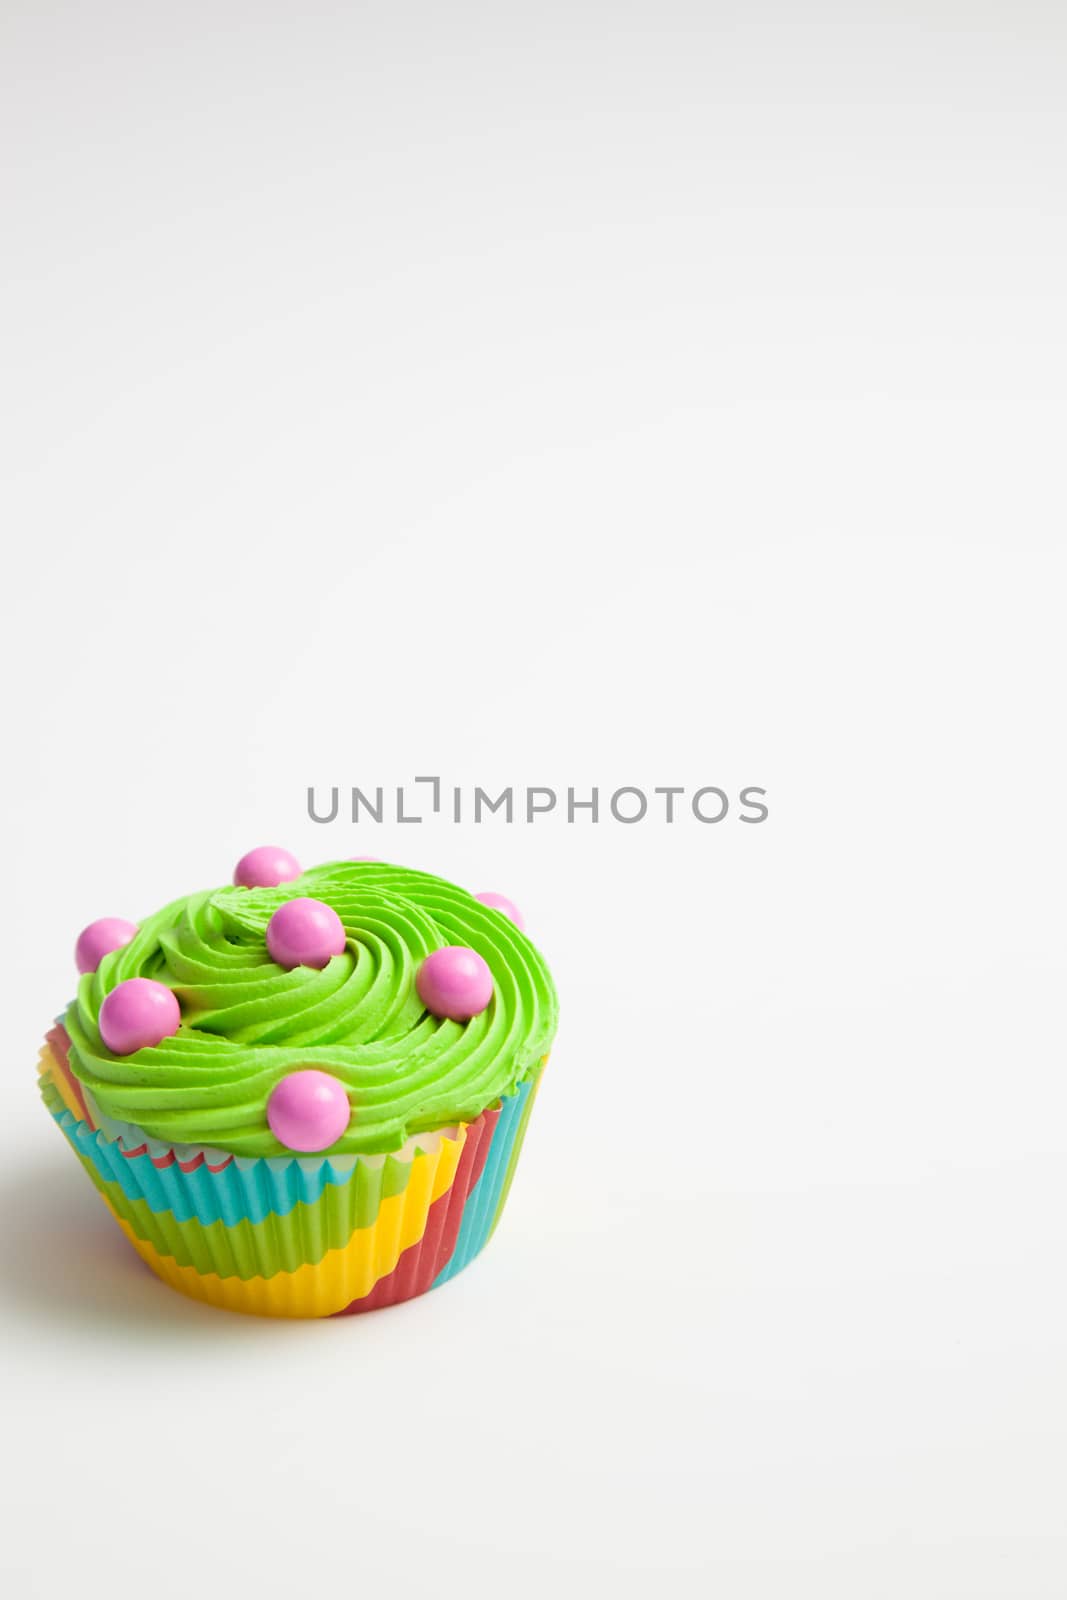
column 344, row 1274
column 48, row 1067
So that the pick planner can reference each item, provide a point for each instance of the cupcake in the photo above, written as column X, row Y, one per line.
column 305, row 1094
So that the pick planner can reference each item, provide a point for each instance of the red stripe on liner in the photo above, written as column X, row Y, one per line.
column 58, row 1041
column 420, row 1263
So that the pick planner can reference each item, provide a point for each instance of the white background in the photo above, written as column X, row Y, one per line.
column 564, row 394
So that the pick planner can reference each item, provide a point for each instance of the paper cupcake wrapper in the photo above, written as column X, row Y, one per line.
column 298, row 1237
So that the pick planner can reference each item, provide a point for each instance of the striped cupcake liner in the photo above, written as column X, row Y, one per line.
column 297, row 1236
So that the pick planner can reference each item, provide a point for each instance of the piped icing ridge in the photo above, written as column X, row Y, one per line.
column 247, row 1022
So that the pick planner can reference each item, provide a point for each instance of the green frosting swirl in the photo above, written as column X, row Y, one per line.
column 247, row 1022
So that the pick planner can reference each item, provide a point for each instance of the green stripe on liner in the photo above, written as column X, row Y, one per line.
column 51, row 1096
column 277, row 1244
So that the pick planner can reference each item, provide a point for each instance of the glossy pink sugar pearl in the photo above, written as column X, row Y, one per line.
column 455, row 982
column 305, row 933
column 99, row 939
column 266, row 867
column 500, row 902
column 308, row 1110
column 138, row 1013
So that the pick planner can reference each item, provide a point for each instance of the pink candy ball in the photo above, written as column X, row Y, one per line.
column 266, row 867
column 454, row 982
column 308, row 1110
column 138, row 1013
column 500, row 902
column 99, row 939
column 305, row 933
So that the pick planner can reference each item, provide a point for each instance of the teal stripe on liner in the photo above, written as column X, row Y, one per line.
column 272, row 1186
column 480, row 1211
